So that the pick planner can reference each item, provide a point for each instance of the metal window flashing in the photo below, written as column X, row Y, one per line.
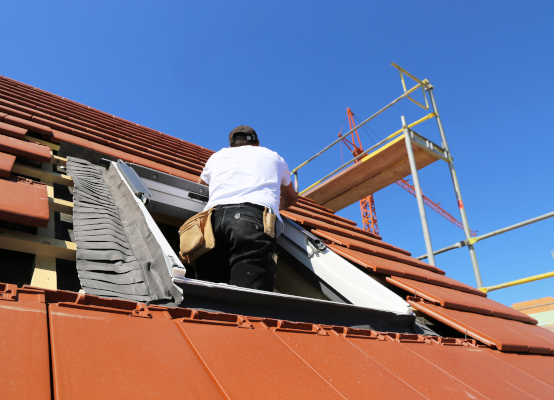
column 356, row 286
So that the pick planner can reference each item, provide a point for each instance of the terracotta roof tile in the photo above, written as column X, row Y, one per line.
column 457, row 300
column 376, row 250
column 11, row 111
column 30, row 125
column 26, row 149
column 490, row 377
column 27, row 340
column 13, row 131
column 504, row 334
column 6, row 164
column 394, row 268
column 309, row 207
column 58, row 137
column 51, row 124
column 26, row 204
column 539, row 367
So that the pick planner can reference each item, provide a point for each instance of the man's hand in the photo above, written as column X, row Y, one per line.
column 288, row 197
column 200, row 181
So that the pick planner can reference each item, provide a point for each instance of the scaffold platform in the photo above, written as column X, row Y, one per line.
column 375, row 171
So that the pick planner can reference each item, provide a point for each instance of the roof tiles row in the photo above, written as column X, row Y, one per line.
column 42, row 112
column 453, row 303
column 504, row 334
column 458, row 300
column 194, row 354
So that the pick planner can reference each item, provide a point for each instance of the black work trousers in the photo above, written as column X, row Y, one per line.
column 243, row 255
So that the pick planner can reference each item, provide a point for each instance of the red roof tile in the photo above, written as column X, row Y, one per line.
column 6, row 164
column 30, row 125
column 25, row 358
column 504, row 334
column 394, row 268
column 459, row 300
column 375, row 250
column 27, row 202
column 26, row 149
column 482, row 373
column 540, row 368
column 13, row 131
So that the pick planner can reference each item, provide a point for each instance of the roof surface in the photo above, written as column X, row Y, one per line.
column 267, row 358
column 114, row 349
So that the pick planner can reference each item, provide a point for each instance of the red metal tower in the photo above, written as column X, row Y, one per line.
column 367, row 205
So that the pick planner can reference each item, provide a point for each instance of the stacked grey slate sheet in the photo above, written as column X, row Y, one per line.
column 117, row 254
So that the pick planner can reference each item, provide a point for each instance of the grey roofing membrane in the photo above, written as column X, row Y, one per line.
column 117, row 255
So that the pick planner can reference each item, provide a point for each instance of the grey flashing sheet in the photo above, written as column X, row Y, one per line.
column 118, row 255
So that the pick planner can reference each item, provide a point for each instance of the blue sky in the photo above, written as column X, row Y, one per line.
column 289, row 69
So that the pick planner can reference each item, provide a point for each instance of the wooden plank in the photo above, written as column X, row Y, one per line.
column 61, row 206
column 379, row 181
column 375, row 172
column 35, row 244
column 43, row 175
column 44, row 273
column 53, row 146
column 58, row 160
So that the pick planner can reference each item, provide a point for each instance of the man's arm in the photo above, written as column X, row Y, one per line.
column 200, row 181
column 288, row 196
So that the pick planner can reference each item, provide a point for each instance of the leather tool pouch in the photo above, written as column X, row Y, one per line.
column 196, row 236
column 269, row 223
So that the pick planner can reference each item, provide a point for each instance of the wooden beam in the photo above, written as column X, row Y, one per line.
column 58, row 160
column 35, row 244
column 59, row 205
column 53, row 146
column 44, row 272
column 43, row 175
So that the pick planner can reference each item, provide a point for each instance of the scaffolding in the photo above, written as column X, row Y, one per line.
column 411, row 139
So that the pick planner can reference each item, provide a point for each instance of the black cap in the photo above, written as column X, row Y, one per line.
column 245, row 131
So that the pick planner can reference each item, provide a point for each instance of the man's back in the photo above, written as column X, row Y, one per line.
column 246, row 174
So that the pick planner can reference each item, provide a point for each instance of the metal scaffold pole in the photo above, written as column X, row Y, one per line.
column 420, row 205
column 457, row 190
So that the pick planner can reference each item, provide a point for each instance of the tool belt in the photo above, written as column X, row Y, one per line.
column 196, row 236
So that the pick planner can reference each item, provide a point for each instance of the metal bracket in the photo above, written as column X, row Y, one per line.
column 314, row 246
column 137, row 185
column 423, row 84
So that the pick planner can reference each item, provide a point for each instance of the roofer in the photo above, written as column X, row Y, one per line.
column 248, row 184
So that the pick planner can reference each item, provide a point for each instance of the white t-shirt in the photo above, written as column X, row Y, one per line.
column 244, row 174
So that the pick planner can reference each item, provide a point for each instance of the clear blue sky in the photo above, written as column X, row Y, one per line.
column 289, row 69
